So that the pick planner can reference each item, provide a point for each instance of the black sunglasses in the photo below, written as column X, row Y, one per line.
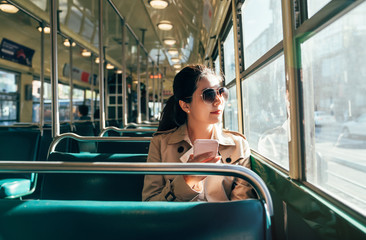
column 209, row 94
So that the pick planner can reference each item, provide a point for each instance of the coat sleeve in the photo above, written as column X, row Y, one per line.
column 241, row 188
column 156, row 188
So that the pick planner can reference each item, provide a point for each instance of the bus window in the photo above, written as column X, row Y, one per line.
column 262, row 28
column 265, row 112
column 229, row 59
column 217, row 65
column 231, row 110
column 315, row 5
column 8, row 97
column 335, row 107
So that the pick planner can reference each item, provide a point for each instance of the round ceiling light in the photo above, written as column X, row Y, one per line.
column 175, row 60
column 158, row 4
column 169, row 41
column 109, row 66
column 46, row 30
column 176, row 66
column 8, row 8
column 97, row 60
column 165, row 25
column 85, row 53
column 67, row 43
column 173, row 51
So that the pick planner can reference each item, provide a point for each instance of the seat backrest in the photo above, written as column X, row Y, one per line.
column 84, row 129
column 42, row 219
column 81, row 186
column 19, row 146
column 124, row 147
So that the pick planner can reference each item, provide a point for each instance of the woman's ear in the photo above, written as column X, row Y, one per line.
column 185, row 106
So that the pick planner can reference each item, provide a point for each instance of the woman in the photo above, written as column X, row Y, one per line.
column 193, row 113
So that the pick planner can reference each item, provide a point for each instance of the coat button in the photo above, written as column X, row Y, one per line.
column 228, row 160
column 180, row 149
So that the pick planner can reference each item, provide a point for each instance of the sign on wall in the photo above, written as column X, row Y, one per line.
column 15, row 52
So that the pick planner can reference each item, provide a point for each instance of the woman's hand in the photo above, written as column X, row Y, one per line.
column 195, row 181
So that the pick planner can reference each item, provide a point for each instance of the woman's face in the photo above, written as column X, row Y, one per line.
column 206, row 113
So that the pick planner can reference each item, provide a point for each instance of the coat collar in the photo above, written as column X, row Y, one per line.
column 181, row 134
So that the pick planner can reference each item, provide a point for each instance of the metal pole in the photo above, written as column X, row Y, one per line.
column 116, row 101
column 54, row 70
column 124, row 81
column 237, row 68
column 106, row 96
column 71, row 85
column 162, row 90
column 294, row 143
column 153, row 97
column 147, row 88
column 41, row 116
column 138, row 85
column 101, row 68
column 92, row 110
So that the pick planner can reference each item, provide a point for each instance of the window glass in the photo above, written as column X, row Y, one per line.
column 262, row 28
column 335, row 108
column 217, row 65
column 265, row 112
column 8, row 82
column 229, row 57
column 231, row 111
column 315, row 5
column 36, row 94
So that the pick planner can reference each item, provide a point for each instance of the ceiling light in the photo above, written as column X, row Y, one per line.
column 165, row 25
column 46, row 30
column 8, row 8
column 158, row 4
column 109, row 66
column 177, row 71
column 119, row 71
column 85, row 53
column 97, row 60
column 173, row 51
column 169, row 41
column 175, row 60
column 177, row 65
column 67, row 43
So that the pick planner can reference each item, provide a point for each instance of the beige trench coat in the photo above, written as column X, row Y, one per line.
column 169, row 146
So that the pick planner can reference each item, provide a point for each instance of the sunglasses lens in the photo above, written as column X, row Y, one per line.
column 224, row 93
column 209, row 95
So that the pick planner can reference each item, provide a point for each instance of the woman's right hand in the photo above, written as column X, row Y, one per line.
column 193, row 180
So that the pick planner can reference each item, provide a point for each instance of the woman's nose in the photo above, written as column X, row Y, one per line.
column 218, row 100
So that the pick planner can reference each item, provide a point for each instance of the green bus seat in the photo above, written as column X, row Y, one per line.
column 18, row 146
column 81, row 186
column 45, row 219
column 84, row 129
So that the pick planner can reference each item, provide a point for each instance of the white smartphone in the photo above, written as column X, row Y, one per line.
column 201, row 146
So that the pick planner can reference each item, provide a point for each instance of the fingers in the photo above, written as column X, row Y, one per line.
column 212, row 160
column 200, row 157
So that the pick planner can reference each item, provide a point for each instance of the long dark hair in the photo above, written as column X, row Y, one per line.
column 184, row 85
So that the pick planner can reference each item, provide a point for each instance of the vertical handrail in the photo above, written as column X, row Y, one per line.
column 41, row 97
column 116, row 101
column 124, row 80
column 292, row 86
column 237, row 69
column 92, row 110
column 153, row 97
column 147, row 89
column 138, row 84
column 54, row 70
column 106, row 90
column 101, row 69
column 71, row 115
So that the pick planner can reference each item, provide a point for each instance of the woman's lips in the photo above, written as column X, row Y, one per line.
column 216, row 112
